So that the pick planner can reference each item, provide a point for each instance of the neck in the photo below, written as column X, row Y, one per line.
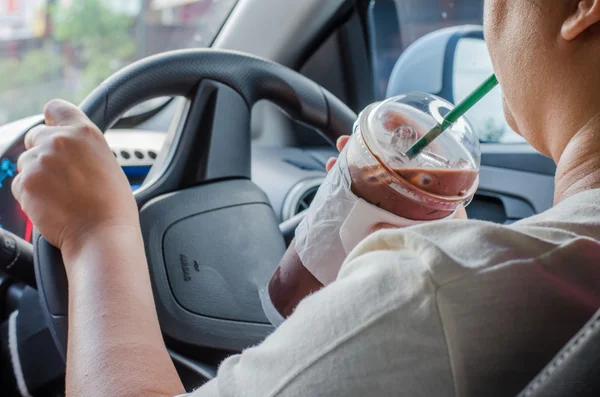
column 579, row 165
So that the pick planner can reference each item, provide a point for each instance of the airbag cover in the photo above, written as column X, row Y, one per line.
column 215, row 263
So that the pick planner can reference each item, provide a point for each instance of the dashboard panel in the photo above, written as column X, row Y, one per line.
column 12, row 217
column 134, row 150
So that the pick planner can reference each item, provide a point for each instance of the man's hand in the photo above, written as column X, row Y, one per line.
column 74, row 191
column 340, row 145
column 69, row 182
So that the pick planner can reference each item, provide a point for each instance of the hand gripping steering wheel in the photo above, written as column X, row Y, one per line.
column 212, row 240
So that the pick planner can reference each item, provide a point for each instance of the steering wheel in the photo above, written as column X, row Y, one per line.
column 212, row 239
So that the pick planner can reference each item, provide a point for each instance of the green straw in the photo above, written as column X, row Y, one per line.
column 453, row 116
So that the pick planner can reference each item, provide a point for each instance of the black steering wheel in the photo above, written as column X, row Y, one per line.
column 212, row 240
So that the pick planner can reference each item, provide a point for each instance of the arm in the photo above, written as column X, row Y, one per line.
column 373, row 332
column 115, row 345
column 78, row 197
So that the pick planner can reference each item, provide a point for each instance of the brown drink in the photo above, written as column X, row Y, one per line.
column 432, row 188
column 373, row 188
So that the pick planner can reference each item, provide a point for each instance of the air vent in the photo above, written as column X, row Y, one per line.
column 306, row 200
column 300, row 197
column 134, row 156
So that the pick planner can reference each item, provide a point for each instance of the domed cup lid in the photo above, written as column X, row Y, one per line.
column 447, row 167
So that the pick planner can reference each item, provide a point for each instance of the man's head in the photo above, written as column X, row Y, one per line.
column 546, row 54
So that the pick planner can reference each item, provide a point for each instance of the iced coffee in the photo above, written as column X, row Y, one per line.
column 375, row 181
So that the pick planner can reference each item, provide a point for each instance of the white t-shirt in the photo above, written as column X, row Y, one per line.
column 452, row 308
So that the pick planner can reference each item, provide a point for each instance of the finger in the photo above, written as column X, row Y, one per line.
column 341, row 142
column 16, row 187
column 26, row 158
column 381, row 226
column 37, row 135
column 330, row 163
column 60, row 113
column 461, row 213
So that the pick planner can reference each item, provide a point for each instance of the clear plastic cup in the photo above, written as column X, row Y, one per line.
column 432, row 186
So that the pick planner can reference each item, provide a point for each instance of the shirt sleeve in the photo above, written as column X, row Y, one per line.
column 405, row 299
column 361, row 335
column 209, row 389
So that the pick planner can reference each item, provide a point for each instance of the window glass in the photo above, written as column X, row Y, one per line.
column 65, row 48
column 472, row 65
column 396, row 24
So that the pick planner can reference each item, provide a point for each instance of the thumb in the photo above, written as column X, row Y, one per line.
column 381, row 226
column 61, row 113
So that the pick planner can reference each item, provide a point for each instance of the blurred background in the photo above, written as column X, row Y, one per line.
column 65, row 48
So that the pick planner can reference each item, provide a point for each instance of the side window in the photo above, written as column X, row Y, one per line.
column 395, row 26
column 340, row 65
column 325, row 68
column 472, row 65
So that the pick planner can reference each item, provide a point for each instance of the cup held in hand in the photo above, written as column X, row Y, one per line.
column 375, row 182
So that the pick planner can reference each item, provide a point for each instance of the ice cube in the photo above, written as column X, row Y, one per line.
column 391, row 119
column 422, row 180
column 462, row 164
column 403, row 138
column 429, row 159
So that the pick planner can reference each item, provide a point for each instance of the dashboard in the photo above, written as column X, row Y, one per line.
column 135, row 151
column 12, row 217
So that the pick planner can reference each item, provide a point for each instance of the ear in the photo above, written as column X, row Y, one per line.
column 587, row 15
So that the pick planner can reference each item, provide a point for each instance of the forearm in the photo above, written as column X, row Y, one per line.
column 115, row 345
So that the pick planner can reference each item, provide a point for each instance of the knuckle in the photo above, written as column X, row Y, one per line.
column 46, row 160
column 89, row 130
column 55, row 107
column 60, row 142
column 30, row 181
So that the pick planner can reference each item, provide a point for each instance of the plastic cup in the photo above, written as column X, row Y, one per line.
column 432, row 186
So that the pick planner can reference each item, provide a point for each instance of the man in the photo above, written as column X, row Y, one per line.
column 456, row 308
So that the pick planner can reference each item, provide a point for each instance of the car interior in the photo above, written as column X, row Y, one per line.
column 225, row 146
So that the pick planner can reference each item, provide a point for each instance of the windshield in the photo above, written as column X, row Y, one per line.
column 65, row 48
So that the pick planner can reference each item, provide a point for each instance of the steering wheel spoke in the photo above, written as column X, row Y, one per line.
column 209, row 140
